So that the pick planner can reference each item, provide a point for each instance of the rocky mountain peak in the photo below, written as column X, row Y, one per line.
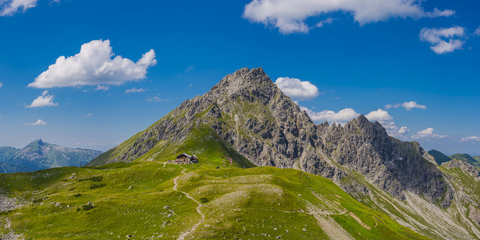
column 247, row 84
column 38, row 142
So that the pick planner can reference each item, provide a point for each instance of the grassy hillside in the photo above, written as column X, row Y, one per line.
column 476, row 158
column 439, row 157
column 140, row 199
column 466, row 158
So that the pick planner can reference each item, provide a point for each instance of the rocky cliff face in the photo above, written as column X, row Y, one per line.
column 252, row 115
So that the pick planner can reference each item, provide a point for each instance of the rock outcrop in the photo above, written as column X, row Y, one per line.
column 464, row 166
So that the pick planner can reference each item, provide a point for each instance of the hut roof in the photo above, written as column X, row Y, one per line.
column 184, row 154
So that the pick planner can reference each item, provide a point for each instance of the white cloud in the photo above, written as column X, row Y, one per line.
column 407, row 105
column 190, row 68
column 477, row 32
column 1, row 85
column 290, row 16
column 404, row 130
column 94, row 66
column 10, row 7
column 470, row 139
column 43, row 101
column 384, row 118
column 342, row 117
column 325, row 22
column 157, row 99
column 444, row 40
column 411, row 105
column 40, row 122
column 379, row 115
column 427, row 134
column 102, row 87
column 295, row 88
column 135, row 90
column 88, row 115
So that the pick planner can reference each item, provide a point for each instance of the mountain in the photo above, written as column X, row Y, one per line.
column 265, row 171
column 466, row 158
column 476, row 158
column 251, row 115
column 41, row 155
column 439, row 157
column 7, row 152
column 251, row 121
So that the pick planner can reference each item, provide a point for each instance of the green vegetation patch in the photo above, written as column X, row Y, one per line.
column 140, row 200
column 93, row 179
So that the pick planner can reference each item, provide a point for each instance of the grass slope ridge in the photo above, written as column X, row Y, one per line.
column 439, row 156
column 139, row 199
column 466, row 158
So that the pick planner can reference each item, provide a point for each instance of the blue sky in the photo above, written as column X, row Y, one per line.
column 413, row 67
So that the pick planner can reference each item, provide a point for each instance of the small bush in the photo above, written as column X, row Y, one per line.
column 93, row 179
column 87, row 207
column 94, row 186
column 203, row 200
column 77, row 195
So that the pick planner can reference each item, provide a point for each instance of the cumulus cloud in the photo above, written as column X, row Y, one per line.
column 290, row 16
column 384, row 118
column 470, row 139
column 40, row 122
column 341, row 117
column 43, row 101
column 477, row 32
column 295, row 88
column 135, row 90
column 404, row 130
column 444, row 40
column 407, row 105
column 10, row 7
column 1, row 85
column 427, row 134
column 94, row 65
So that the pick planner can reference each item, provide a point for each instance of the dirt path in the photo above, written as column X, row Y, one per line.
column 175, row 187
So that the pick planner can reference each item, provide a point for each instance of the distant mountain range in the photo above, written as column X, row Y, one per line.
column 441, row 158
column 41, row 155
